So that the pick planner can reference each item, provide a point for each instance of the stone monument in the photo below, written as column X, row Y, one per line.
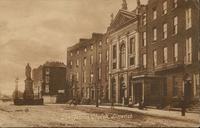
column 28, row 92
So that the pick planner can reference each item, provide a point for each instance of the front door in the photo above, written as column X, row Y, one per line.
column 138, row 93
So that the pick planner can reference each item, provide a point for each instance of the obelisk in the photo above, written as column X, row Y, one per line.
column 28, row 92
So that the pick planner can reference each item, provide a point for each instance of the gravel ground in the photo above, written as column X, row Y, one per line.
column 75, row 116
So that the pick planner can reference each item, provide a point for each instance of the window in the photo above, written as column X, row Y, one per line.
column 84, row 77
column 165, row 7
column 99, row 72
column 175, row 3
column 188, row 18
column 154, row 34
column 91, row 59
column 132, row 45
column 122, row 56
column 91, row 77
column 114, row 65
column 47, row 79
column 100, row 43
column 92, row 47
column 165, row 55
column 85, row 49
column 196, row 81
column 175, row 27
column 175, row 86
column 71, row 77
column 114, row 52
column 176, row 52
column 144, row 19
column 71, row 63
column 47, row 71
column 155, row 58
column 154, row 14
column 165, row 31
column 144, row 39
column 144, row 60
column 77, row 76
column 188, row 50
column 77, row 62
column 46, row 88
column 107, row 55
column 132, row 61
column 71, row 54
column 84, row 61
column 100, row 57
column 77, row 52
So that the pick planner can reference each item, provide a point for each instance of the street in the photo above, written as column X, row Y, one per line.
column 76, row 116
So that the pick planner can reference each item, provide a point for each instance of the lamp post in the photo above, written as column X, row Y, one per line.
column 16, row 88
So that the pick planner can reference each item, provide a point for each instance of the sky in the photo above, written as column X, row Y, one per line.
column 36, row 31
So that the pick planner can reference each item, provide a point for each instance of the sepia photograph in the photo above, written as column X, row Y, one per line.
column 99, row 63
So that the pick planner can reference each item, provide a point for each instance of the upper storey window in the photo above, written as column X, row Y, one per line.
column 154, row 34
column 114, row 52
column 165, row 31
column 175, row 3
column 92, row 47
column 175, row 26
column 188, row 15
column 85, row 49
column 165, row 7
column 132, row 45
column 122, row 56
column 100, row 43
column 144, row 20
column 154, row 13
column 144, row 38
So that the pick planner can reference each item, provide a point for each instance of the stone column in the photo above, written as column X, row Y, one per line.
column 137, row 49
column 118, row 52
column 117, row 88
column 127, row 40
column 110, row 70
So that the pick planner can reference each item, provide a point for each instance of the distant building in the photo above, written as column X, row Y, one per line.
column 50, row 79
column 87, row 65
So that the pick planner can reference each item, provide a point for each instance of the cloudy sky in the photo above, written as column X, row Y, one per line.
column 35, row 31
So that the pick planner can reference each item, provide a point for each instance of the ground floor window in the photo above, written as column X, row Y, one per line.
column 196, row 81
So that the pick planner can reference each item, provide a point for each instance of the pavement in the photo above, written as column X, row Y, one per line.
column 174, row 115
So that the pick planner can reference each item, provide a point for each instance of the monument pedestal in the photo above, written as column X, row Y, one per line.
column 28, row 92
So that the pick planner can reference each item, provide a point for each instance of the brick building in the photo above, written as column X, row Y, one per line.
column 50, row 78
column 87, row 65
column 173, row 49
column 150, row 54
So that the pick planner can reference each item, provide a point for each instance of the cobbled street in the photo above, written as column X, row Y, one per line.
column 76, row 116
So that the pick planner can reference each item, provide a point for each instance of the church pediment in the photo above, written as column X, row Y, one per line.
column 122, row 18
